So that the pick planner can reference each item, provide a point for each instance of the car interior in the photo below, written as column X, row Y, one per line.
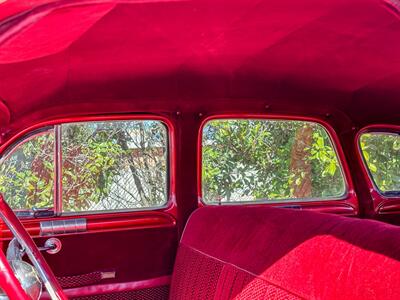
column 197, row 149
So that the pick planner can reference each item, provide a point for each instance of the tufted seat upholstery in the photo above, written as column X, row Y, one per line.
column 249, row 252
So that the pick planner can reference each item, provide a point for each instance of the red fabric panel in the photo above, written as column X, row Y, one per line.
column 8, row 8
column 326, row 53
column 235, row 283
column 312, row 255
column 195, row 275
column 64, row 25
column 134, row 255
column 199, row 276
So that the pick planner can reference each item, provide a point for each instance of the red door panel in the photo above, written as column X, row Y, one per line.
column 134, row 255
column 136, row 247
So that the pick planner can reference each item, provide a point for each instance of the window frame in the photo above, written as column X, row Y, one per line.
column 12, row 147
column 55, row 124
column 346, row 204
column 382, row 204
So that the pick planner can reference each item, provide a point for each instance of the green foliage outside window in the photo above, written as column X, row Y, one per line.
column 105, row 166
column 27, row 174
column 114, row 165
column 381, row 153
column 247, row 160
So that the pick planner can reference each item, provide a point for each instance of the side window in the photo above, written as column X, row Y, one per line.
column 268, row 160
column 114, row 165
column 104, row 166
column 381, row 153
column 27, row 173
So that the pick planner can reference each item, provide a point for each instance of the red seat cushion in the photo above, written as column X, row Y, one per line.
column 248, row 252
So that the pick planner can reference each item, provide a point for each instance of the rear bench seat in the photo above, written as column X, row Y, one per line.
column 238, row 252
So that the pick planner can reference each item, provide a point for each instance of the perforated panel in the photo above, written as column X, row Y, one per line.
column 199, row 276
column 195, row 276
column 238, row 284
column 156, row 293
column 79, row 280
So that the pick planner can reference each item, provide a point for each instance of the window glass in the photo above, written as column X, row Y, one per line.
column 114, row 165
column 381, row 153
column 27, row 173
column 267, row 160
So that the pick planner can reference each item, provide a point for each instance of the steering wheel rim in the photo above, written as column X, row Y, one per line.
column 45, row 273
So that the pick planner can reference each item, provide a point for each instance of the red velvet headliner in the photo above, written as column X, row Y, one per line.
column 161, row 55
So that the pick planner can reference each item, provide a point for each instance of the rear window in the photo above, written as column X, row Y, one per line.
column 245, row 160
column 381, row 153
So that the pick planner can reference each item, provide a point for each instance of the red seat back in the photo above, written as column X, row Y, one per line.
column 239, row 252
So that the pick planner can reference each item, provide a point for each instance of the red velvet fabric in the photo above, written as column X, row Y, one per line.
column 187, row 60
column 156, row 55
column 295, row 254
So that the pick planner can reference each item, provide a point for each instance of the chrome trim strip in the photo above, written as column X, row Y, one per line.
column 63, row 226
column 108, row 275
column 58, row 171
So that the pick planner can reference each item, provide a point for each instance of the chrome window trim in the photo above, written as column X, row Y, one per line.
column 287, row 201
column 58, row 171
column 111, row 211
column 57, row 130
column 365, row 165
column 168, row 196
column 24, row 139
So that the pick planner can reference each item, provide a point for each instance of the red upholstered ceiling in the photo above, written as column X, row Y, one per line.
column 310, row 56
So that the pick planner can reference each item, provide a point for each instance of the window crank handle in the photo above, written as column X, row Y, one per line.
column 51, row 246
